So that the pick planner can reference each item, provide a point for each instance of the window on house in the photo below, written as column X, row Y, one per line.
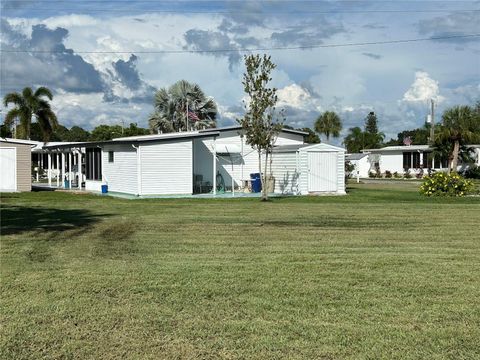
column 93, row 164
column 427, row 160
column 110, row 157
column 416, row 160
column 407, row 160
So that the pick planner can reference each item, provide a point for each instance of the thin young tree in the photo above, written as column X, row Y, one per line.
column 260, row 123
column 30, row 105
column 329, row 124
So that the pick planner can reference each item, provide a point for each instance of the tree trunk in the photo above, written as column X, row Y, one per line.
column 260, row 168
column 265, row 179
column 456, row 149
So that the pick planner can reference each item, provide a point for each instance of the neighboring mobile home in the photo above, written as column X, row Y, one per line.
column 361, row 164
column 15, row 165
column 412, row 158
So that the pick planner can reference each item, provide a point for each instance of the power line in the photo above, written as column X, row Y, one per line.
column 260, row 12
column 260, row 1
column 300, row 47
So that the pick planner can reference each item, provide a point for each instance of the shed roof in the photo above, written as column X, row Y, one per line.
column 20, row 141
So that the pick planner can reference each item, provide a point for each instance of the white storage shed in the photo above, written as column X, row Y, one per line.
column 309, row 169
column 15, row 165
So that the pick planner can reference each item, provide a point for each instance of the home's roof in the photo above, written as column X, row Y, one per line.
column 399, row 148
column 288, row 148
column 239, row 127
column 136, row 139
column 297, row 147
column 355, row 156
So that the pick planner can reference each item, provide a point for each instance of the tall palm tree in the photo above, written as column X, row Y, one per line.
column 329, row 124
column 30, row 104
column 183, row 106
column 459, row 126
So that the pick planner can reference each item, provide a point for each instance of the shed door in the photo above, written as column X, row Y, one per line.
column 322, row 171
column 8, row 169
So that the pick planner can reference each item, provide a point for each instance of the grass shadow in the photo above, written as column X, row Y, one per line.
column 19, row 219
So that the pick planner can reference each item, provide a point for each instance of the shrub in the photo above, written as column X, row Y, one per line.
column 442, row 184
column 388, row 174
column 473, row 172
column 371, row 174
column 419, row 174
column 396, row 175
column 407, row 174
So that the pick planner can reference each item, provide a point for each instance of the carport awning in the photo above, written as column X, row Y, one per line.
column 227, row 149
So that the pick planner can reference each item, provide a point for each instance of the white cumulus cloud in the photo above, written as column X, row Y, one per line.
column 295, row 96
column 423, row 89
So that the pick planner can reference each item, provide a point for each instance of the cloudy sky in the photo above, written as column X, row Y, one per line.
column 105, row 59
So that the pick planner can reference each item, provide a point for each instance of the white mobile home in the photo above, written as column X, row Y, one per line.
column 185, row 163
column 361, row 164
column 412, row 158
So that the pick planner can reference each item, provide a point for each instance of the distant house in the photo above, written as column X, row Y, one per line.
column 361, row 164
column 15, row 165
column 412, row 158
column 193, row 162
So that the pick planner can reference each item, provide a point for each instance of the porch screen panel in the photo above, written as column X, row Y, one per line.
column 416, row 160
column 407, row 160
column 93, row 164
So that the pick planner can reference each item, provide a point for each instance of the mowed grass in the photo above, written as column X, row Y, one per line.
column 382, row 273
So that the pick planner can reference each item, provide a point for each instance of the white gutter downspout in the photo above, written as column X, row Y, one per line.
column 139, row 170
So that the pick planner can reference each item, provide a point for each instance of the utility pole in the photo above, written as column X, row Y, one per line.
column 432, row 122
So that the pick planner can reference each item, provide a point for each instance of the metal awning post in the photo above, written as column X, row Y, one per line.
column 214, row 166
column 63, row 169
column 58, row 170
column 70, row 163
column 79, row 169
column 49, row 170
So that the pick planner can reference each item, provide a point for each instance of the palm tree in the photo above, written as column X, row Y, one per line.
column 355, row 140
column 171, row 112
column 459, row 126
column 31, row 104
column 329, row 124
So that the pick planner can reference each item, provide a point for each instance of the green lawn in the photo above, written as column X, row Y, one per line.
column 380, row 273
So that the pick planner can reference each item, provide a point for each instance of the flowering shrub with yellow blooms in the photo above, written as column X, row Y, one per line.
column 443, row 184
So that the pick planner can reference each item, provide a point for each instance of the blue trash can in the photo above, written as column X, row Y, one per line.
column 66, row 184
column 256, row 182
column 104, row 189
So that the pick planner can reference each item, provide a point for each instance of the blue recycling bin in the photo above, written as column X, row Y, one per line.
column 104, row 189
column 256, row 182
column 66, row 184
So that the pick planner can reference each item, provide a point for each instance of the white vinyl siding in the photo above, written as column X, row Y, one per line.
column 121, row 175
column 238, row 166
column 318, row 168
column 166, row 168
column 284, row 170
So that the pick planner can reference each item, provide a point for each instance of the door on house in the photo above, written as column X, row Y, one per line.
column 8, row 169
column 322, row 171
